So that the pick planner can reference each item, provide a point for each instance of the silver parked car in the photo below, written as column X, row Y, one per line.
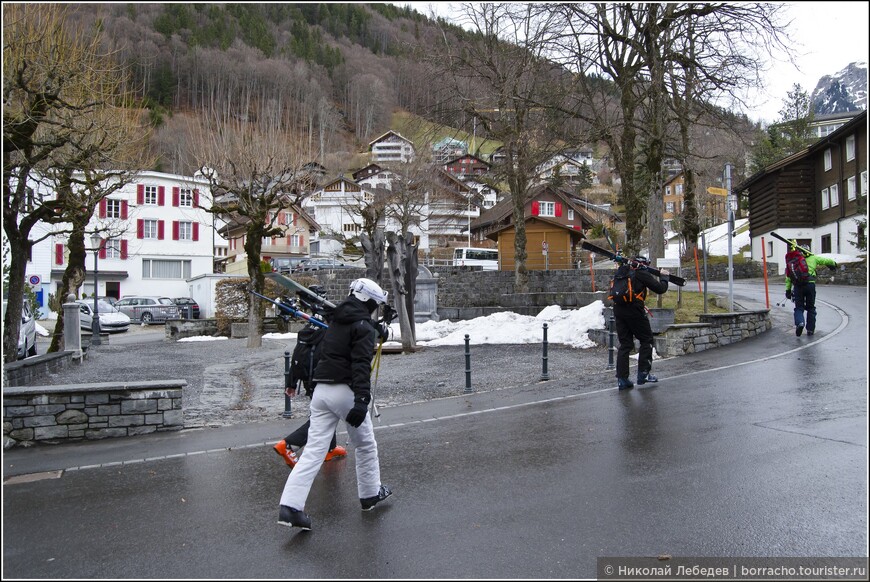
column 147, row 309
column 27, row 331
column 110, row 318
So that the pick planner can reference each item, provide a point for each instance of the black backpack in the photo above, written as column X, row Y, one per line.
column 621, row 287
column 305, row 356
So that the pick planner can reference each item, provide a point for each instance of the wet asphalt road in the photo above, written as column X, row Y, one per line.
column 755, row 449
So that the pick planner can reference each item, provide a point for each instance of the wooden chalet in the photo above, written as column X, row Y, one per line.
column 817, row 196
column 551, row 216
column 467, row 165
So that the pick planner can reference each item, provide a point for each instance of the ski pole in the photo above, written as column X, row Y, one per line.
column 377, row 368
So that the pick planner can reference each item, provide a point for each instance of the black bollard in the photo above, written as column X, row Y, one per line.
column 612, row 349
column 467, row 366
column 287, row 401
column 544, row 375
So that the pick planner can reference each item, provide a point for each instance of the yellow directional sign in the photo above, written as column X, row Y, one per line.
column 717, row 191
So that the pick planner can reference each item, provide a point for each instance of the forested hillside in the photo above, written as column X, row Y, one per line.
column 335, row 72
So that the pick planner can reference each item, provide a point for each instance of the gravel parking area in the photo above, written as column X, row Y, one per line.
column 229, row 383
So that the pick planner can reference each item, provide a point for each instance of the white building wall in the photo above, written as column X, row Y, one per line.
column 128, row 273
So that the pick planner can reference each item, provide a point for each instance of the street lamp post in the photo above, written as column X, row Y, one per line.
column 96, row 242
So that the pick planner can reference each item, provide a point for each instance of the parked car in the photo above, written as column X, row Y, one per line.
column 320, row 264
column 187, row 307
column 111, row 320
column 147, row 309
column 285, row 265
column 27, row 331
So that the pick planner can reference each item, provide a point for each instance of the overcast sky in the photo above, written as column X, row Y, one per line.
column 830, row 35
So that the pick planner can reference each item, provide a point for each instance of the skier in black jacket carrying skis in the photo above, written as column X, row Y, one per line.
column 343, row 391
column 632, row 322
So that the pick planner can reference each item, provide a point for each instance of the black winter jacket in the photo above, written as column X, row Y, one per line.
column 347, row 349
column 641, row 280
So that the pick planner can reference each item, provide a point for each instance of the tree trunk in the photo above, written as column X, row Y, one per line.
column 73, row 277
column 395, row 257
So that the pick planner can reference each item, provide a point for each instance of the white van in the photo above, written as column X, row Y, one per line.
column 467, row 256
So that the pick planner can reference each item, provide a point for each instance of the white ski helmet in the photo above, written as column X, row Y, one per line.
column 368, row 290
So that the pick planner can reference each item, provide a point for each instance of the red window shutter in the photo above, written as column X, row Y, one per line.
column 123, row 249
column 196, row 198
column 175, row 194
column 103, row 208
column 160, row 229
column 161, row 195
column 103, row 249
column 140, row 228
column 140, row 193
column 123, row 210
column 58, row 254
column 558, row 209
column 174, row 230
column 195, row 231
column 301, row 240
column 535, row 208
column 294, row 219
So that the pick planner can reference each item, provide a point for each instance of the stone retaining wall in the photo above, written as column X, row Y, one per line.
column 712, row 331
column 28, row 370
column 90, row 411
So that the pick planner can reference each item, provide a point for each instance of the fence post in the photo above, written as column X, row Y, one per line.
column 544, row 375
column 467, row 365
column 611, row 349
column 287, row 401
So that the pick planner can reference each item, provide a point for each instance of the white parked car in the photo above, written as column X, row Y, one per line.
column 27, row 332
column 110, row 318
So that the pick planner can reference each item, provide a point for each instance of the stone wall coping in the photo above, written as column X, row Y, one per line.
column 36, row 360
column 735, row 313
column 93, row 387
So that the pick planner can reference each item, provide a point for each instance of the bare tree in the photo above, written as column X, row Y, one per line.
column 66, row 109
column 254, row 171
column 500, row 80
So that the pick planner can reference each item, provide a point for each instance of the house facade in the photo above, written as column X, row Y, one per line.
column 157, row 236
column 336, row 207
column 297, row 226
column 555, row 211
column 466, row 166
column 673, row 199
column 391, row 147
column 817, row 196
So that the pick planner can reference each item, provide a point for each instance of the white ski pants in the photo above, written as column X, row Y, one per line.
column 329, row 404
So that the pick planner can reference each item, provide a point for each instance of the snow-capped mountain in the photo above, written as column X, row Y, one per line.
column 844, row 91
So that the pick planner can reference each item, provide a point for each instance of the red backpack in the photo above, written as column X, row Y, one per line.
column 796, row 267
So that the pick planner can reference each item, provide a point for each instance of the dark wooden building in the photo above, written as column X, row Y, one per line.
column 817, row 196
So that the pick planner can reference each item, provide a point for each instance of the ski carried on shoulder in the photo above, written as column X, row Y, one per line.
column 793, row 243
column 289, row 283
column 678, row 281
column 289, row 309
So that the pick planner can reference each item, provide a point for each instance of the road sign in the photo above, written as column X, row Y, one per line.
column 34, row 280
column 717, row 191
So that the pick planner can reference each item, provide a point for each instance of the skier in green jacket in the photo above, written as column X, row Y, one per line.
column 804, row 293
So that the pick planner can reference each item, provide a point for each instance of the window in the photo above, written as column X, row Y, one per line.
column 185, row 197
column 570, row 214
column 851, row 192
column 678, row 189
column 835, row 195
column 113, row 248
column 162, row 269
column 826, row 199
column 669, row 207
column 185, row 231
column 770, row 248
column 149, row 229
column 826, row 243
column 864, row 183
column 828, row 163
column 151, row 195
column 850, row 148
column 667, row 190
column 294, row 240
column 350, row 227
column 547, row 209
column 113, row 208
